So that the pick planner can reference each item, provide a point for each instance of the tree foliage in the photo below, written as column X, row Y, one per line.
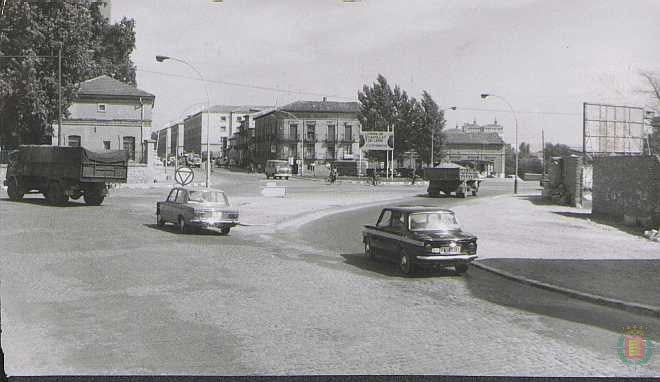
column 653, row 83
column 90, row 45
column 413, row 120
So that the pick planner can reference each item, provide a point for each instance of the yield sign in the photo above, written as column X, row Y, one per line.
column 184, row 175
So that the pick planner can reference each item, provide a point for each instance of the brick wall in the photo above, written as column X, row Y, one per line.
column 628, row 188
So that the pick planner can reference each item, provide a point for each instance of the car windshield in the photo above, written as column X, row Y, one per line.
column 207, row 197
column 429, row 221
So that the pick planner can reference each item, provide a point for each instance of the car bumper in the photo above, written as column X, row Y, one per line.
column 214, row 223
column 444, row 259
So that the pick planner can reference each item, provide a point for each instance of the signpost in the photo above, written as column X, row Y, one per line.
column 378, row 140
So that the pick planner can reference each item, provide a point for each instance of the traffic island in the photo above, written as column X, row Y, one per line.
column 545, row 246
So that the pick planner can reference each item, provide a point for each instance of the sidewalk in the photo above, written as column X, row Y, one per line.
column 561, row 249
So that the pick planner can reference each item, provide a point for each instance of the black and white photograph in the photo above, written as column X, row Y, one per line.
column 338, row 188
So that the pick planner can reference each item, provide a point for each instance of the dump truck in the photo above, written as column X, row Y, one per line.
column 60, row 173
column 450, row 177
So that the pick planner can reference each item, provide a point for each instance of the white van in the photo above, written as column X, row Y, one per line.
column 277, row 169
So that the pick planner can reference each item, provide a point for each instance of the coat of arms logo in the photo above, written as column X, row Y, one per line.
column 633, row 348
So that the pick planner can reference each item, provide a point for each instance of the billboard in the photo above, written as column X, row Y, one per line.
column 376, row 140
column 613, row 130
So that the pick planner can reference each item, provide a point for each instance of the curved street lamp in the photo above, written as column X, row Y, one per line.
column 160, row 58
column 486, row 95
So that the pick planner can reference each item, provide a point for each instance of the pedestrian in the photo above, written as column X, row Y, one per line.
column 414, row 176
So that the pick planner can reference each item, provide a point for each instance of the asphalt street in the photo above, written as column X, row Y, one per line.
column 102, row 290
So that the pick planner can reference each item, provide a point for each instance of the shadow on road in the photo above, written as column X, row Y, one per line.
column 173, row 229
column 490, row 287
column 604, row 220
column 387, row 268
column 44, row 202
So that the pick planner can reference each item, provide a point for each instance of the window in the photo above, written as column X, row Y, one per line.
column 385, row 218
column 348, row 149
column 101, row 108
column 293, row 131
column 172, row 196
column 74, row 140
column 309, row 152
column 223, row 118
column 129, row 146
column 106, row 145
column 311, row 133
column 348, row 133
column 331, row 152
column 331, row 133
column 181, row 196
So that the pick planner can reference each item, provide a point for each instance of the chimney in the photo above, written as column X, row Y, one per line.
column 325, row 99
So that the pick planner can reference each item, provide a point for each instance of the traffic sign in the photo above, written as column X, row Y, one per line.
column 184, row 175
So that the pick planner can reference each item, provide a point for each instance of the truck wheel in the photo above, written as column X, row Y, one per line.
column 474, row 193
column 405, row 264
column 56, row 195
column 14, row 191
column 93, row 199
column 225, row 230
column 461, row 268
column 461, row 195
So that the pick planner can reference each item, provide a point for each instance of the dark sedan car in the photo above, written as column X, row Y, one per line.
column 420, row 236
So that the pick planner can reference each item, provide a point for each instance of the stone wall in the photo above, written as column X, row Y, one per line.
column 628, row 188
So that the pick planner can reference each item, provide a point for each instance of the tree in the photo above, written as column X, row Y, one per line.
column 524, row 150
column 29, row 85
column 413, row 120
column 653, row 83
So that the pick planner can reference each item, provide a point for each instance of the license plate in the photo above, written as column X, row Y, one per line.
column 456, row 249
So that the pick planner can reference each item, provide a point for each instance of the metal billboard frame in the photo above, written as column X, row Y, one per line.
column 612, row 129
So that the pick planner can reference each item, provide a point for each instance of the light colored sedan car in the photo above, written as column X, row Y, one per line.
column 198, row 208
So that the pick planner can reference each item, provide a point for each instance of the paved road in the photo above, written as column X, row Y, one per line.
column 116, row 295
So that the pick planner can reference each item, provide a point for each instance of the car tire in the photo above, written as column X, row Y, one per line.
column 225, row 230
column 287, row 178
column 93, row 199
column 461, row 268
column 14, row 191
column 474, row 193
column 406, row 266
column 181, row 224
column 159, row 220
column 369, row 251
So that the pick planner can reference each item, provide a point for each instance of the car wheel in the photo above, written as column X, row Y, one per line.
column 461, row 268
column 287, row 178
column 405, row 264
column 474, row 193
column 369, row 251
column 159, row 220
column 14, row 191
column 182, row 225
column 225, row 230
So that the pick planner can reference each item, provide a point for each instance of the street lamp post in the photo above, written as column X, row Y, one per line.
column 515, row 180
column 160, row 58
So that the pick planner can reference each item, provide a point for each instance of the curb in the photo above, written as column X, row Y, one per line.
column 611, row 302
column 118, row 186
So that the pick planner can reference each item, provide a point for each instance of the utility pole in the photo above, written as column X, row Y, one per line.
column 543, row 151
column 59, row 96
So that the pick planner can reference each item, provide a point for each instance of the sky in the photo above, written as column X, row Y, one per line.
column 545, row 57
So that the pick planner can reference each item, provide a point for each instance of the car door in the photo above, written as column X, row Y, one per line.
column 393, row 234
column 166, row 206
column 180, row 205
column 378, row 240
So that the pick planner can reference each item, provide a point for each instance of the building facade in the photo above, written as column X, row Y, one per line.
column 223, row 121
column 108, row 115
column 474, row 127
column 308, row 133
column 483, row 151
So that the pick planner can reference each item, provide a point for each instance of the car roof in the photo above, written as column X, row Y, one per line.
column 418, row 208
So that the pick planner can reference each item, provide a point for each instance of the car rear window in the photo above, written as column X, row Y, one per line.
column 207, row 197
column 431, row 221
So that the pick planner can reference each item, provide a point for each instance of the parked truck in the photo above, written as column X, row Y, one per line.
column 60, row 173
column 449, row 177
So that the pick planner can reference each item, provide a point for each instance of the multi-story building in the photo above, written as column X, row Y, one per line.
column 489, row 128
column 308, row 133
column 108, row 115
column 223, row 121
column 482, row 151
